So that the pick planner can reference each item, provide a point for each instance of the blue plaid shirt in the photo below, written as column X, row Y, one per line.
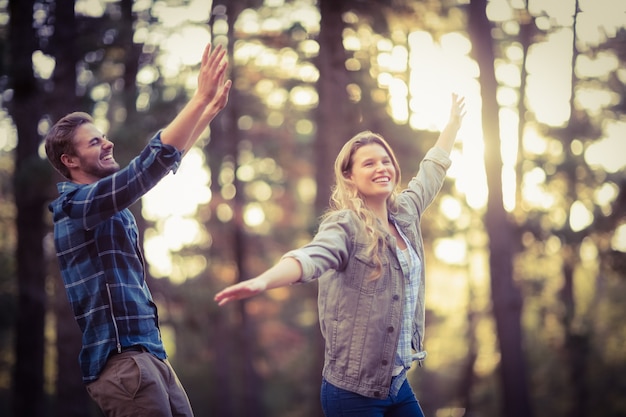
column 411, row 269
column 102, row 266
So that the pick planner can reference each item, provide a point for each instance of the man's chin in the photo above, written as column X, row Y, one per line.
column 114, row 169
column 109, row 170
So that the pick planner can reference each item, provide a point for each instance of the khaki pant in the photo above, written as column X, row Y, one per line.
column 138, row 384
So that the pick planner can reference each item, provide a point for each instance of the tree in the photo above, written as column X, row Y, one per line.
column 575, row 181
column 336, row 115
column 71, row 396
column 30, row 182
column 224, row 147
column 505, row 296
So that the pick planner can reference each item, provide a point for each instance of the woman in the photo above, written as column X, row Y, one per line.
column 368, row 256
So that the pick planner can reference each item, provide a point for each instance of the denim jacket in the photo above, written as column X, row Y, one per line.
column 360, row 318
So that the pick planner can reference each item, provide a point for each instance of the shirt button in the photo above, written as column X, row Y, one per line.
column 390, row 329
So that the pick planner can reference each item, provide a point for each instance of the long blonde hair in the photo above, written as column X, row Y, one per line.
column 345, row 195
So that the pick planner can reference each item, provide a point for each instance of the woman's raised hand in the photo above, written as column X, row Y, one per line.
column 457, row 111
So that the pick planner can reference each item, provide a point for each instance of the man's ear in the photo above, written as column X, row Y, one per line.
column 68, row 161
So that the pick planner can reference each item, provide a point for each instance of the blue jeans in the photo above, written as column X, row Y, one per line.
column 337, row 402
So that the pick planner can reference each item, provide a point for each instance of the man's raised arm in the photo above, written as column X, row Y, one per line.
column 209, row 99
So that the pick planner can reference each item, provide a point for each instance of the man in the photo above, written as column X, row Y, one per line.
column 123, row 361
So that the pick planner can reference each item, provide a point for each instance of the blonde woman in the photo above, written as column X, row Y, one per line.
column 368, row 256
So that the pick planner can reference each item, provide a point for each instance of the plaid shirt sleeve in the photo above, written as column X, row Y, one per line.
column 93, row 203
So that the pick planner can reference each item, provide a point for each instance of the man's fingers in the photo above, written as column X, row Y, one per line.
column 206, row 53
column 216, row 57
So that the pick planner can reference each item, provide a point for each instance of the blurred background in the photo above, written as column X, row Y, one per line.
column 526, row 262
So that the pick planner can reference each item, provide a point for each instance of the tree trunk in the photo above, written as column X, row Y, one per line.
column 468, row 377
column 29, row 185
column 506, row 298
column 336, row 121
column 527, row 31
column 72, row 399
column 577, row 341
column 225, row 139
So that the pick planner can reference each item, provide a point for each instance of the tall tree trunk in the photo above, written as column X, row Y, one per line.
column 223, row 399
column 336, row 123
column 72, row 399
column 336, row 115
column 29, row 185
column 468, row 377
column 525, row 37
column 577, row 341
column 225, row 142
column 506, row 297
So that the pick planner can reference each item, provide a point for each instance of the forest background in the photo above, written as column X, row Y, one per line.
column 526, row 276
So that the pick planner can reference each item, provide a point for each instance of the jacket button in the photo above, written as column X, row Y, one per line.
column 396, row 297
column 376, row 394
column 390, row 329
column 385, row 362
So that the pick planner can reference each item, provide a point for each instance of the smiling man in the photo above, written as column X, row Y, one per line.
column 123, row 361
column 92, row 158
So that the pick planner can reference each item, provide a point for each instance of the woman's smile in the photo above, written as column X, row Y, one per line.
column 373, row 172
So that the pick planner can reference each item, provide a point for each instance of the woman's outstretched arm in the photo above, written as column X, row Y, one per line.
column 285, row 272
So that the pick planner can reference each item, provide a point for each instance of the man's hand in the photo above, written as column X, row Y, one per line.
column 213, row 88
column 209, row 99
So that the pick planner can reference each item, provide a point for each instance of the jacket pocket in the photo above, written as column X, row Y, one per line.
column 360, row 273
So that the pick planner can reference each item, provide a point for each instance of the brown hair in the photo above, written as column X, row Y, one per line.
column 60, row 139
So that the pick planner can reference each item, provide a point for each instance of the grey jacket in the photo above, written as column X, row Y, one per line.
column 359, row 317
